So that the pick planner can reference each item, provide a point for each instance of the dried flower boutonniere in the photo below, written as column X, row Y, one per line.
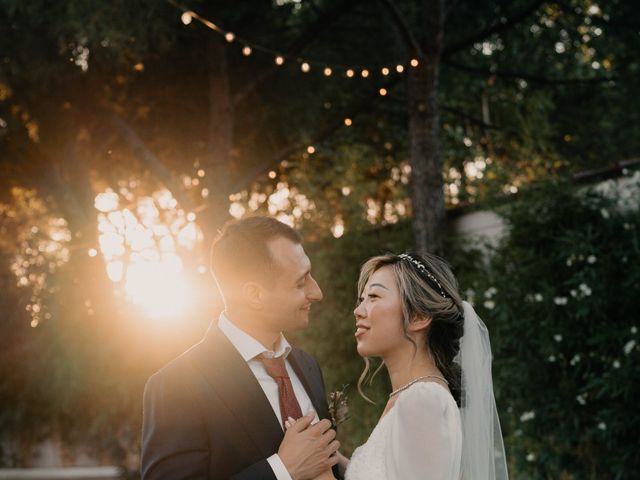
column 338, row 407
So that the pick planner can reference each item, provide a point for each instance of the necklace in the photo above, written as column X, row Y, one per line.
column 404, row 387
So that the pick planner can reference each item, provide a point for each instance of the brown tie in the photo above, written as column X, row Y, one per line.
column 289, row 406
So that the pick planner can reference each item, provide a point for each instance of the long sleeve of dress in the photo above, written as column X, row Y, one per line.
column 425, row 439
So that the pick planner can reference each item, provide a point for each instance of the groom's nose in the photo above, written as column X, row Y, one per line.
column 314, row 294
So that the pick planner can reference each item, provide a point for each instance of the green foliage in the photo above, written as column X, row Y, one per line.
column 560, row 299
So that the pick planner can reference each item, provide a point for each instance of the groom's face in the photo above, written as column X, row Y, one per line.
column 292, row 291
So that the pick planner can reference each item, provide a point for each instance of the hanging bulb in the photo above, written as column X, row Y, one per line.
column 229, row 37
column 385, row 71
column 383, row 91
column 348, row 122
column 279, row 60
column 365, row 73
column 246, row 51
column 328, row 71
column 186, row 18
column 350, row 73
column 305, row 67
column 414, row 62
column 399, row 68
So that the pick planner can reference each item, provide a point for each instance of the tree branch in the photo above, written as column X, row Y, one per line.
column 330, row 16
column 365, row 104
column 498, row 27
column 401, row 24
column 154, row 163
column 525, row 76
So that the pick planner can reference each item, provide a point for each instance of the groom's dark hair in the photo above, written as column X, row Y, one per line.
column 240, row 249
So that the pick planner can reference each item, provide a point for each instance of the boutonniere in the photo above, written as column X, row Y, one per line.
column 338, row 406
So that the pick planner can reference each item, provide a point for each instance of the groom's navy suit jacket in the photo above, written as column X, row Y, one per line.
column 206, row 416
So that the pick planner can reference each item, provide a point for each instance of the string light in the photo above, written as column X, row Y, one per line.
column 383, row 91
column 348, row 122
column 311, row 149
column 186, row 18
column 189, row 15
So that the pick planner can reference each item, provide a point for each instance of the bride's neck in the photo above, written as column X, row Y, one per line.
column 403, row 366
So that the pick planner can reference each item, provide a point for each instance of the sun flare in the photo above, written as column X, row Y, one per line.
column 141, row 245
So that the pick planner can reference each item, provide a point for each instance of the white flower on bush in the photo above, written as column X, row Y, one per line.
column 605, row 213
column 575, row 360
column 627, row 226
column 538, row 297
column 570, row 260
column 557, row 337
column 585, row 289
column 616, row 364
column 634, row 329
column 574, row 293
column 491, row 291
column 560, row 300
column 531, row 457
column 489, row 304
column 629, row 346
column 551, row 358
column 591, row 259
column 526, row 416
column 602, row 426
column 471, row 295
column 582, row 398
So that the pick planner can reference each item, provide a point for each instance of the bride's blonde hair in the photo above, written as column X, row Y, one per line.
column 432, row 292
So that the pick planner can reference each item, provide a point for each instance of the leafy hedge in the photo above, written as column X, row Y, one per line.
column 560, row 296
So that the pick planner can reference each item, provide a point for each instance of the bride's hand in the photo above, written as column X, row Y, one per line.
column 327, row 474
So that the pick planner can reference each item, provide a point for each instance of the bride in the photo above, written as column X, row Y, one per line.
column 440, row 421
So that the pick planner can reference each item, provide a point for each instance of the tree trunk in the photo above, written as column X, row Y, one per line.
column 427, row 195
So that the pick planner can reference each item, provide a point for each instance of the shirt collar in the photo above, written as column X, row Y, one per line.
column 248, row 347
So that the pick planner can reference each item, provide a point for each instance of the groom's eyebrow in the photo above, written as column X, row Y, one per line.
column 378, row 285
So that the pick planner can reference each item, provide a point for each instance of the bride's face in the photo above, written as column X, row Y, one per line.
column 379, row 324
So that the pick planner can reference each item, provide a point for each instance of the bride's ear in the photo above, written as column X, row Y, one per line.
column 420, row 323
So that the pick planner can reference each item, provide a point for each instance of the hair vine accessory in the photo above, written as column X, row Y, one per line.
column 420, row 266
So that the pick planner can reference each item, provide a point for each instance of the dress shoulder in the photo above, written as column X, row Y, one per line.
column 425, row 395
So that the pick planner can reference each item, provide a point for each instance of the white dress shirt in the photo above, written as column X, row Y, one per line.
column 250, row 349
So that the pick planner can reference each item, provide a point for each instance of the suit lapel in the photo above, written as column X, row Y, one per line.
column 309, row 378
column 227, row 372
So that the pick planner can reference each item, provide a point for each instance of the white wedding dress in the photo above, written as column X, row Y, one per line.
column 420, row 438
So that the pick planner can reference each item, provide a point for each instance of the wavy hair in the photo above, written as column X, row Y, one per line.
column 422, row 296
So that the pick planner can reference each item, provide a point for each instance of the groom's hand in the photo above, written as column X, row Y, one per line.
column 308, row 450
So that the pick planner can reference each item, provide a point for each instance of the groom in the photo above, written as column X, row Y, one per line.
column 217, row 411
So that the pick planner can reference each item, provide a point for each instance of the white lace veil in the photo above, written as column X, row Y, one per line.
column 483, row 454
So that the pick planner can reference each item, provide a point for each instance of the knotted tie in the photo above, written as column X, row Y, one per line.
column 289, row 406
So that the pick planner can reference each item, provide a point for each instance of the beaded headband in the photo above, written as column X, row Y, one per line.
column 420, row 266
